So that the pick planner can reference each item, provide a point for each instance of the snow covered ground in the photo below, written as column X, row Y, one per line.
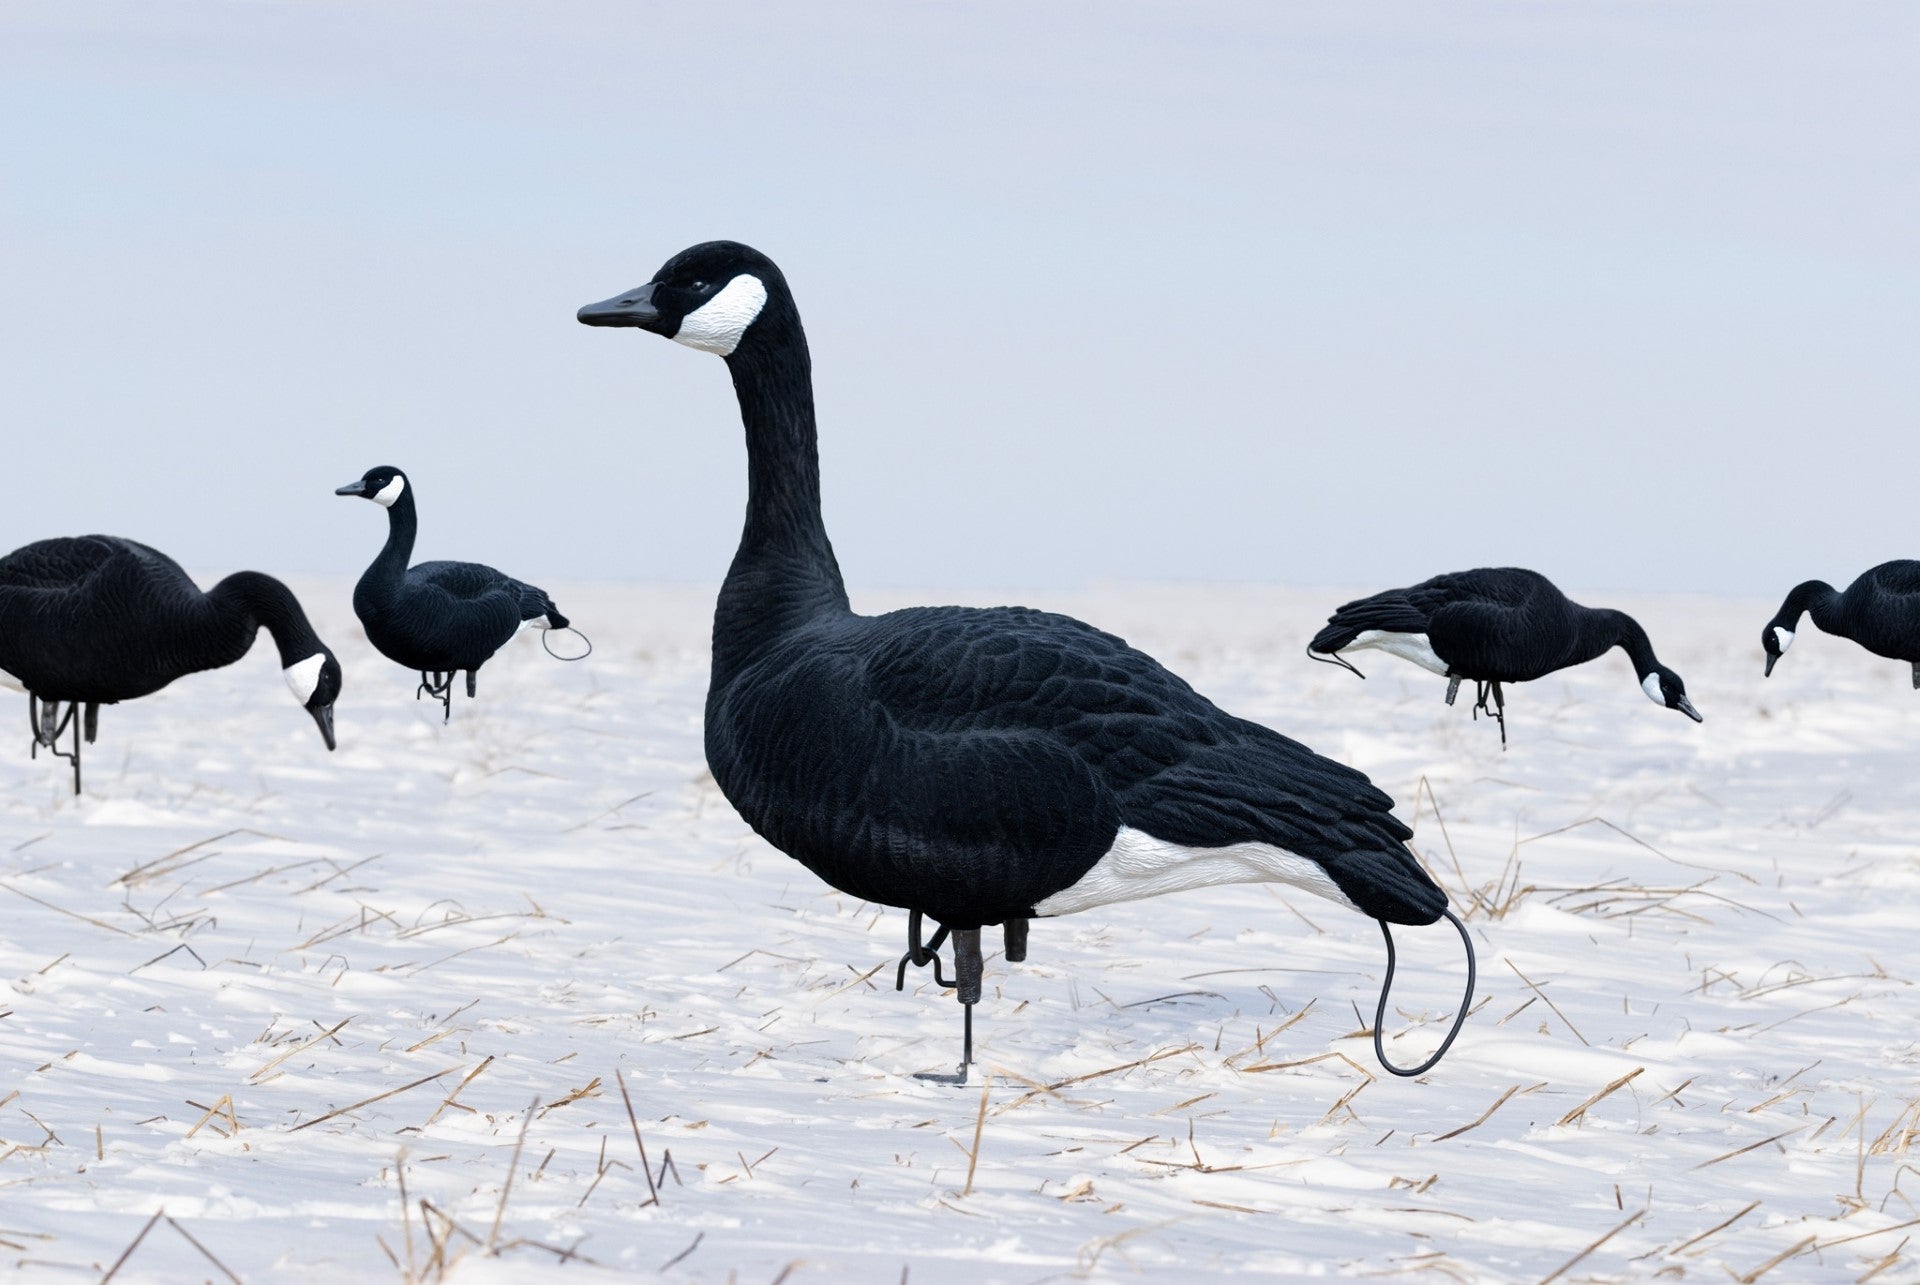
column 261, row 988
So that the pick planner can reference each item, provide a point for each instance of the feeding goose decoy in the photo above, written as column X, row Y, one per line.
column 1880, row 610
column 978, row 766
column 93, row 620
column 439, row 617
column 1492, row 626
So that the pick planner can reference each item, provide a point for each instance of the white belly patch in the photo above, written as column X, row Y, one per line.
column 11, row 683
column 1139, row 865
column 1413, row 647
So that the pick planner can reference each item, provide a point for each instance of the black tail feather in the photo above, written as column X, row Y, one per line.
column 1388, row 884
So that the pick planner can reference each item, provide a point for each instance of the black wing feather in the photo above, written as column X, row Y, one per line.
column 986, row 758
column 1393, row 611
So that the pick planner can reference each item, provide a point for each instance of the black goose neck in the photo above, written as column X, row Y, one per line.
column 403, row 524
column 256, row 601
column 1605, row 628
column 784, row 572
column 384, row 579
column 1816, row 596
column 773, row 379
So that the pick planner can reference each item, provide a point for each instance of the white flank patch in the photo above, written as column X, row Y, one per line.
column 1139, row 865
column 1413, row 647
column 538, row 622
column 387, row 494
column 1782, row 638
column 11, row 683
column 716, row 325
column 303, row 676
column 1651, row 686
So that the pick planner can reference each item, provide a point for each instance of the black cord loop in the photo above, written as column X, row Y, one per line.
column 1380, row 1013
column 548, row 647
column 1336, row 659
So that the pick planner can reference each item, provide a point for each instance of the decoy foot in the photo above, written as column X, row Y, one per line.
column 967, row 967
column 1916, row 675
column 1497, row 711
column 439, row 686
column 48, row 723
column 470, row 685
column 919, row 956
column 1453, row 687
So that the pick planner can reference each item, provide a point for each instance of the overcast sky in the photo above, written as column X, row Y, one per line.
column 1339, row 293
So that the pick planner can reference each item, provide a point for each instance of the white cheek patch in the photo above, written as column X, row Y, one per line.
column 716, row 325
column 387, row 494
column 1782, row 638
column 303, row 676
column 1651, row 686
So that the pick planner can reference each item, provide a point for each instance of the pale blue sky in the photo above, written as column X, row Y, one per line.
column 1339, row 293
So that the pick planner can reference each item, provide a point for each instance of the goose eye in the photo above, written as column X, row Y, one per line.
column 699, row 285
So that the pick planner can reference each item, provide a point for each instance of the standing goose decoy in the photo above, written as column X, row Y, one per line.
column 1491, row 626
column 439, row 617
column 979, row 766
column 1880, row 611
column 92, row 620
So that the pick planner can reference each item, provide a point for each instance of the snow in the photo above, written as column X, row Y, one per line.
column 547, row 898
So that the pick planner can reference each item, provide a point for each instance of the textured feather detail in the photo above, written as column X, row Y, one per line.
column 969, row 763
column 1880, row 610
column 972, row 762
column 1391, row 612
column 1503, row 624
column 441, row 616
column 104, row 619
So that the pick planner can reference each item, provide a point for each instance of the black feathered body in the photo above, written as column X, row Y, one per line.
column 101, row 619
column 1492, row 624
column 970, row 763
column 1880, row 610
column 441, row 616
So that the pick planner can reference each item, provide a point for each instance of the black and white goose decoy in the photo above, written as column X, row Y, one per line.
column 1880, row 611
column 439, row 617
column 93, row 620
column 978, row 766
column 1492, row 626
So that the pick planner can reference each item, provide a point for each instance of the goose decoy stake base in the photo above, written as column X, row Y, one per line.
column 968, row 968
column 48, row 723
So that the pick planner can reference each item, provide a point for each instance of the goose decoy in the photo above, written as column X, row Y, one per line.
column 1880, row 611
column 1492, row 626
column 978, row 766
column 93, row 620
column 439, row 617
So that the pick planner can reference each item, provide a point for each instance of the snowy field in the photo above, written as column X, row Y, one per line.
column 371, row 1014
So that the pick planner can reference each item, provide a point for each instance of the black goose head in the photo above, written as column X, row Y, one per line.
column 1664, row 687
column 1774, row 640
column 315, row 682
column 384, row 486
column 708, row 297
